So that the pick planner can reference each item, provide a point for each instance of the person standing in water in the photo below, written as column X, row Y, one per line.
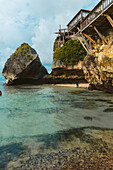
column 77, row 84
column 0, row 93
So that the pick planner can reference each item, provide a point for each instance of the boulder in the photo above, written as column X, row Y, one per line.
column 24, row 66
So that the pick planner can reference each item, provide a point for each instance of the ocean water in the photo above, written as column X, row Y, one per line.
column 48, row 67
column 35, row 119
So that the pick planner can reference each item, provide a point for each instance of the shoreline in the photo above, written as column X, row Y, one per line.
column 81, row 85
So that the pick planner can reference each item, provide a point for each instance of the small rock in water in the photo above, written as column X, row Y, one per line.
column 108, row 110
column 0, row 93
column 88, row 118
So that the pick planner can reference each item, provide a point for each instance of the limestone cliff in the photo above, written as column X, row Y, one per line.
column 23, row 66
column 98, row 67
column 67, row 62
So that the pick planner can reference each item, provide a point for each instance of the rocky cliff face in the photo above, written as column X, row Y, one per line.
column 67, row 62
column 23, row 66
column 59, row 64
column 98, row 67
column 62, row 73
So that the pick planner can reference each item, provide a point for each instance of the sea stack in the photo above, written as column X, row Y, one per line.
column 23, row 66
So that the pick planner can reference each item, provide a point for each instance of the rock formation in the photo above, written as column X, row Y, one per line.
column 23, row 66
column 98, row 67
column 67, row 62
column 67, row 74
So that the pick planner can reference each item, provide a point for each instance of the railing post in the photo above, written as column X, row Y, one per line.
column 102, row 5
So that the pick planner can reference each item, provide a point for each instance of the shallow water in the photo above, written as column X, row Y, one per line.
column 35, row 119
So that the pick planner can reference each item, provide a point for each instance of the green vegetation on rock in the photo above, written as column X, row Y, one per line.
column 29, row 57
column 71, row 53
column 23, row 49
column 55, row 43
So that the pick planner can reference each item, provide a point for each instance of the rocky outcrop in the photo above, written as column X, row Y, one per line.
column 98, row 67
column 59, row 64
column 62, row 73
column 23, row 66
column 67, row 62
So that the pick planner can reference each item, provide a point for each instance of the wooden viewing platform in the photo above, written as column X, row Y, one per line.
column 102, row 7
column 77, row 19
column 88, row 26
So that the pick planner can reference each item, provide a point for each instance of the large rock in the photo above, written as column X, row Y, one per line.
column 23, row 66
column 62, row 73
column 67, row 61
column 98, row 67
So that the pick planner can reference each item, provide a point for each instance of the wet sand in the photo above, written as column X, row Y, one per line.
column 81, row 85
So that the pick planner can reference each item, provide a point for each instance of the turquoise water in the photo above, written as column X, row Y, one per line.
column 31, row 117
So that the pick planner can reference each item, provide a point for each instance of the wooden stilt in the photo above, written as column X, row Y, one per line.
column 83, row 44
column 63, row 40
column 82, row 36
column 109, row 19
column 100, row 35
column 89, row 38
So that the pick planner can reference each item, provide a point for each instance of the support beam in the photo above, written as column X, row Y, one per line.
column 63, row 40
column 87, row 36
column 109, row 19
column 81, row 34
column 83, row 44
column 100, row 35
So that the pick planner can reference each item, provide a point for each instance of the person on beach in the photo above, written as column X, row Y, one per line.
column 77, row 84
column 0, row 93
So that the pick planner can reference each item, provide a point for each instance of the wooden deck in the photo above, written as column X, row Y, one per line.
column 97, row 18
column 89, row 26
column 102, row 7
column 96, row 24
column 76, row 20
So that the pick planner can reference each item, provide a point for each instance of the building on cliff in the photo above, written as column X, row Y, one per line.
column 88, row 26
column 67, row 33
column 76, row 20
column 94, row 30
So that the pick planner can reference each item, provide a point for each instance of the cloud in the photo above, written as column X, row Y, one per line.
column 44, row 38
column 34, row 22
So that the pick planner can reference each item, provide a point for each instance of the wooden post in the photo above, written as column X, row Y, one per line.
column 109, row 19
column 102, row 5
column 81, row 15
column 100, row 35
column 83, row 44
column 81, row 34
column 89, row 38
column 63, row 40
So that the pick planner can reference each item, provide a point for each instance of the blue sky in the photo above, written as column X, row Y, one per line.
column 34, row 22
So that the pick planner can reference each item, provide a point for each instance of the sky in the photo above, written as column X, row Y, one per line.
column 35, row 22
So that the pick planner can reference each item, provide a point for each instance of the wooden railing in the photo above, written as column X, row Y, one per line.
column 73, row 24
column 99, row 8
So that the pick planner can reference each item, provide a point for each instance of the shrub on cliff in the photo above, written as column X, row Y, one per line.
column 70, row 53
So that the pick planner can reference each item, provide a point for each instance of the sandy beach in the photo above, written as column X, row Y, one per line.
column 81, row 85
